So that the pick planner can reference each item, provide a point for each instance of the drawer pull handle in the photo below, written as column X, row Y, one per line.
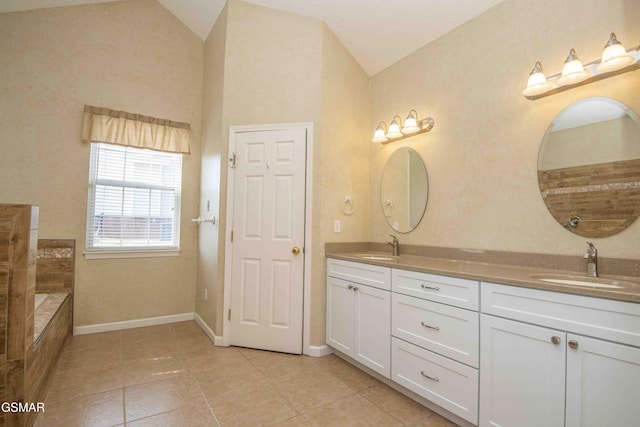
column 573, row 344
column 428, row 377
column 437, row 328
column 555, row 340
column 433, row 288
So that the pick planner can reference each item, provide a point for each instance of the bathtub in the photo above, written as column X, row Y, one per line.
column 40, row 299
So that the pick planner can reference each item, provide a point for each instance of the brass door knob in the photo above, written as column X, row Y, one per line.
column 295, row 250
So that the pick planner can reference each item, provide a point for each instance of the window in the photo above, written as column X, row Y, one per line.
column 134, row 201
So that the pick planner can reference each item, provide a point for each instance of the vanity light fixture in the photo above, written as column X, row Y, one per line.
column 572, row 71
column 614, row 56
column 394, row 128
column 411, row 123
column 412, row 126
column 537, row 82
column 379, row 135
column 615, row 60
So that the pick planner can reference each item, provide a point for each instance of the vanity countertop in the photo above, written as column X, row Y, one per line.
column 501, row 273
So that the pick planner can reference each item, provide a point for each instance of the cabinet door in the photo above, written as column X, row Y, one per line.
column 340, row 296
column 602, row 383
column 522, row 374
column 373, row 328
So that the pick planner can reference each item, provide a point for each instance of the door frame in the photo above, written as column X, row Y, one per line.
column 228, row 247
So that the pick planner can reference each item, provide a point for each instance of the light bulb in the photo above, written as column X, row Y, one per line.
column 572, row 72
column 378, row 136
column 394, row 129
column 537, row 83
column 614, row 56
column 411, row 123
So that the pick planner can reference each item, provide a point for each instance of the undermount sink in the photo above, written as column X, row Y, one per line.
column 375, row 257
column 589, row 282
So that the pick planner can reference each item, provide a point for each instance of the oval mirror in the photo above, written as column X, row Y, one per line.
column 589, row 167
column 404, row 190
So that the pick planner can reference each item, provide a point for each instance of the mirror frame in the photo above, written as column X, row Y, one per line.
column 388, row 206
column 593, row 200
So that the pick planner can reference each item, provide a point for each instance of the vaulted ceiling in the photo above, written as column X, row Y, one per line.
column 376, row 32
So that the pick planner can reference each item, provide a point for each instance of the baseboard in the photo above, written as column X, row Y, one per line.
column 130, row 324
column 217, row 341
column 319, row 350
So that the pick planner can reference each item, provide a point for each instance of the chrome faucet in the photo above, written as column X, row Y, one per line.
column 395, row 244
column 592, row 260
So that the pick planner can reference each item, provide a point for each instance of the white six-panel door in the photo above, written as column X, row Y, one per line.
column 268, row 238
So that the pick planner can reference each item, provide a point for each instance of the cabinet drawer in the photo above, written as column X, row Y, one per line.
column 366, row 274
column 449, row 331
column 462, row 293
column 600, row 318
column 447, row 383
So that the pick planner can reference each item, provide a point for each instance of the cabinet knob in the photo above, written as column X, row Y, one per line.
column 573, row 344
column 355, row 288
column 555, row 339
column 350, row 287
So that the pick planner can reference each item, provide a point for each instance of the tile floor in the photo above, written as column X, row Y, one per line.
column 172, row 375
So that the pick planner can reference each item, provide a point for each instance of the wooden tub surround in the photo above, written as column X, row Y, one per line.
column 27, row 358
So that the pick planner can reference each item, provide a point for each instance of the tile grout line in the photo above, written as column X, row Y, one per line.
column 195, row 377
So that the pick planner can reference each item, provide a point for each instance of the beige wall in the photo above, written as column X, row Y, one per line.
column 263, row 66
column 481, row 156
column 278, row 67
column 341, row 165
column 133, row 56
column 211, row 238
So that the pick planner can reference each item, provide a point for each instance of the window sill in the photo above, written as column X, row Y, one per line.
column 138, row 253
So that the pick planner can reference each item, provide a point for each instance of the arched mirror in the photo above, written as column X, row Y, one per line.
column 589, row 167
column 404, row 190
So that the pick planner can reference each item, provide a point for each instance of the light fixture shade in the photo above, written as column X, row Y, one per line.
column 537, row 83
column 394, row 129
column 411, row 123
column 614, row 56
column 572, row 72
column 378, row 136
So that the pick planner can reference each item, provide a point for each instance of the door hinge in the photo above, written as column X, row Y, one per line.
column 231, row 236
column 232, row 161
column 229, row 315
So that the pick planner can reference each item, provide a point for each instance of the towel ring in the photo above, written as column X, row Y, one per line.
column 388, row 208
column 348, row 206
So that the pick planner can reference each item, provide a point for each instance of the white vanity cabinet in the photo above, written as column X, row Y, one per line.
column 435, row 342
column 359, row 313
column 547, row 359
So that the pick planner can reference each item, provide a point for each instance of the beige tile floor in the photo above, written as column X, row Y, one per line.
column 171, row 375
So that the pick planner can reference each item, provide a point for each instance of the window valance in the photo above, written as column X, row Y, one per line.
column 134, row 130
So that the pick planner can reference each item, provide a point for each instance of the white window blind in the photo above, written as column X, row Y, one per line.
column 134, row 199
